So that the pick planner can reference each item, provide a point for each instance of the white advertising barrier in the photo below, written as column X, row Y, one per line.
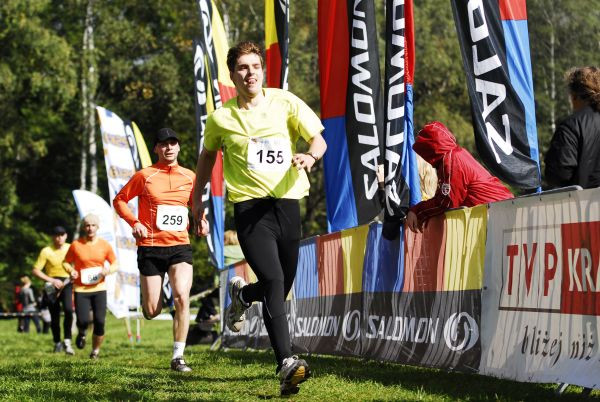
column 90, row 203
column 119, row 169
column 541, row 296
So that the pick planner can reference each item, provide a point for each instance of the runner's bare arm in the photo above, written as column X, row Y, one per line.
column 40, row 274
column 206, row 161
column 72, row 271
column 114, row 267
column 317, row 149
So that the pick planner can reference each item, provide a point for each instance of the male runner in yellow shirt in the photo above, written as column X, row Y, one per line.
column 266, row 178
column 49, row 268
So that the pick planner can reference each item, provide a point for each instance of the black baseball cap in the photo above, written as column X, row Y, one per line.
column 58, row 230
column 164, row 134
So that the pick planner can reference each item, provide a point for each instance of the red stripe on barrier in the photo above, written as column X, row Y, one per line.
column 425, row 253
column 330, row 264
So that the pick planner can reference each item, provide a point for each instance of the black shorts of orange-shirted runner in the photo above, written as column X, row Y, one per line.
column 157, row 260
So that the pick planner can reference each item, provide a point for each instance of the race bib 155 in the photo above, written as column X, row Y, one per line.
column 269, row 154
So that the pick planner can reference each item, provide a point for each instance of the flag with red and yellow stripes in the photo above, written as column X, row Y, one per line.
column 213, row 88
column 277, row 13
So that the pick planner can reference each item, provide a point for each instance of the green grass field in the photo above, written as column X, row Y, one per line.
column 30, row 371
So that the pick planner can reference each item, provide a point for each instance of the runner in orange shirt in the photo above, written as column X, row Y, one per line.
column 165, row 191
column 85, row 262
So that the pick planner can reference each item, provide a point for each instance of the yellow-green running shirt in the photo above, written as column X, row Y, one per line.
column 51, row 260
column 258, row 145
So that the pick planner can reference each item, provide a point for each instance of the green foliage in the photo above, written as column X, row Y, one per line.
column 562, row 35
column 30, row 371
column 37, row 82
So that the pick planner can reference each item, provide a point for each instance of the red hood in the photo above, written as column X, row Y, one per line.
column 434, row 141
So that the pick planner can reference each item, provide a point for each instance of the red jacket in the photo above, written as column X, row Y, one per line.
column 462, row 181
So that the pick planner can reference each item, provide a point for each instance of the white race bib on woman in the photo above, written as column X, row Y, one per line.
column 91, row 275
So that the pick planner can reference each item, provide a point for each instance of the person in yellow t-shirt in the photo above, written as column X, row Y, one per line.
column 86, row 263
column 266, row 177
column 49, row 268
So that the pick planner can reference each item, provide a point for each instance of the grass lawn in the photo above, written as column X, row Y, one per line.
column 30, row 371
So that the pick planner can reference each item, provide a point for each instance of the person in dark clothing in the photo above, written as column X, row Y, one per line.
column 462, row 181
column 27, row 298
column 574, row 154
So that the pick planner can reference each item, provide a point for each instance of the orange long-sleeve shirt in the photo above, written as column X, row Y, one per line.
column 165, row 192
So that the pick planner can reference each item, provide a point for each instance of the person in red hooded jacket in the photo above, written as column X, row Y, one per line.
column 462, row 181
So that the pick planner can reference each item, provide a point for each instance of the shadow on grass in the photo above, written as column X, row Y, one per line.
column 453, row 385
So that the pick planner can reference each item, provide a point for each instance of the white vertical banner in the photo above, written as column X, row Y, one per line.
column 541, row 299
column 119, row 169
column 90, row 203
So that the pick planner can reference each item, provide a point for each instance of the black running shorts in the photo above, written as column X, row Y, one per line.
column 157, row 260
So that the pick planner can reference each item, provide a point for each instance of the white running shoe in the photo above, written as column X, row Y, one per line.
column 68, row 348
column 235, row 316
column 293, row 372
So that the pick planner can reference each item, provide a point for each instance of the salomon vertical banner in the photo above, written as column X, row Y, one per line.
column 494, row 44
column 219, row 89
column 364, row 111
column 351, row 110
column 200, row 92
column 277, row 20
column 399, row 159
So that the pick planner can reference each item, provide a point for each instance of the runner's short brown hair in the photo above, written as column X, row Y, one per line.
column 241, row 49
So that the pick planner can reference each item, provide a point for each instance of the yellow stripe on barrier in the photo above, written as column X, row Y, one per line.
column 465, row 248
column 354, row 243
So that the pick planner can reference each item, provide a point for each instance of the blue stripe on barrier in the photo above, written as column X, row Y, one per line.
column 306, row 284
column 383, row 269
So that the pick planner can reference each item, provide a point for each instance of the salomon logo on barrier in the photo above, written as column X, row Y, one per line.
column 461, row 338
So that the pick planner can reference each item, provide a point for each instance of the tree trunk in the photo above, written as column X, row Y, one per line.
column 89, row 65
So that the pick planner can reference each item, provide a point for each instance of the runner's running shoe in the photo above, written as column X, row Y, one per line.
column 94, row 355
column 178, row 364
column 58, row 347
column 234, row 316
column 293, row 372
column 68, row 348
column 80, row 341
